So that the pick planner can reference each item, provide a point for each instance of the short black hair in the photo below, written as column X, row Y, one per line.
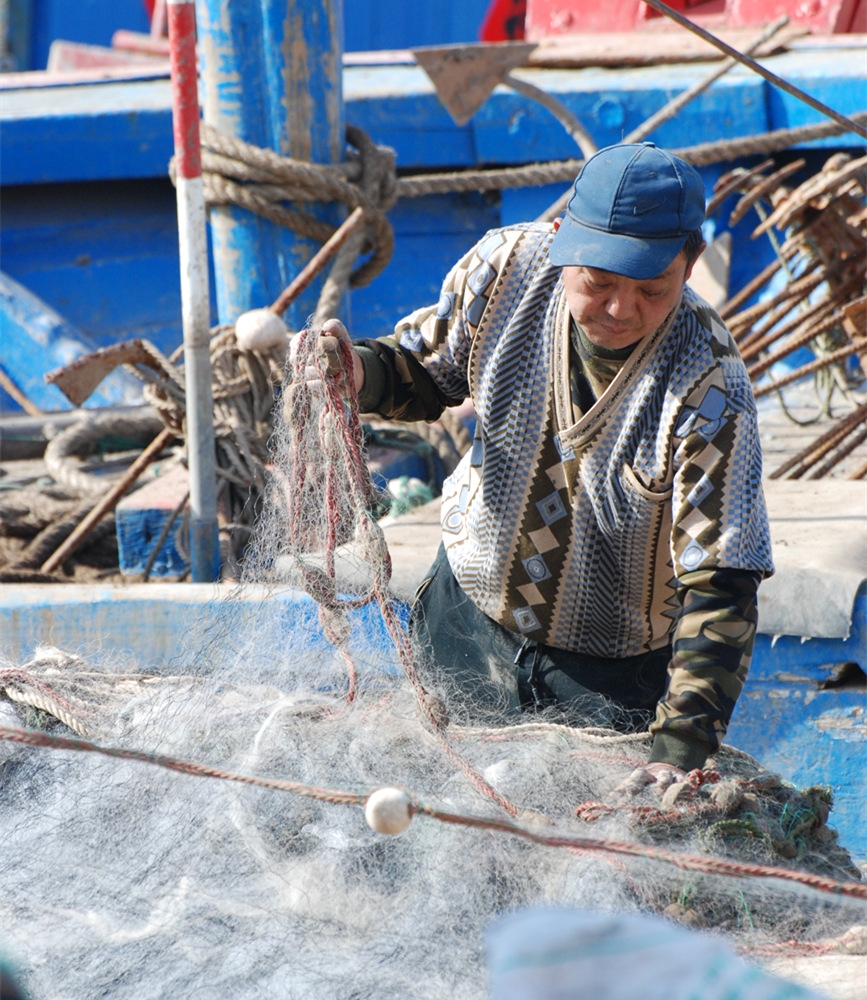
column 692, row 245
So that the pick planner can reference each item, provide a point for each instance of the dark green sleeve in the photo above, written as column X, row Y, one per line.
column 396, row 384
column 711, row 650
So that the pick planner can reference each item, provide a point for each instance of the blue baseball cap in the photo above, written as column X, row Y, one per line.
column 631, row 209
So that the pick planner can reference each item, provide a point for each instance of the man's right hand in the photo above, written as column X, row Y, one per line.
column 330, row 355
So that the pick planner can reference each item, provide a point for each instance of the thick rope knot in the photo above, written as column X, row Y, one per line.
column 235, row 172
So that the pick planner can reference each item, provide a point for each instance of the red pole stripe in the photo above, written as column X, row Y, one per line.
column 185, row 93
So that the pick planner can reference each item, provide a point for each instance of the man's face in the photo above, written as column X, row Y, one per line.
column 615, row 311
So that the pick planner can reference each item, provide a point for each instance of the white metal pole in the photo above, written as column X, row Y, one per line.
column 195, row 303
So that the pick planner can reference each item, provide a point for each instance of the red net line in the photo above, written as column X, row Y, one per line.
column 333, row 403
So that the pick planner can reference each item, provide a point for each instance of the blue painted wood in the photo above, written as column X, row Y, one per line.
column 90, row 21
column 156, row 623
column 369, row 24
column 821, row 78
column 610, row 104
column 104, row 255
column 89, row 132
column 124, row 130
column 808, row 735
column 141, row 517
column 374, row 24
column 270, row 76
column 430, row 233
column 405, row 114
column 35, row 339
column 138, row 531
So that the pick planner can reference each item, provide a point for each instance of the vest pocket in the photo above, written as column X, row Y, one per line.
column 633, row 483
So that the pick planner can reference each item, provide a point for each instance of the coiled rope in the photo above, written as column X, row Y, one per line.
column 236, row 172
column 63, row 451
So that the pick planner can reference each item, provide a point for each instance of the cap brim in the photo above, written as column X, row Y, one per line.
column 632, row 256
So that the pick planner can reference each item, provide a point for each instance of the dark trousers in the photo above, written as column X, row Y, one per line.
column 485, row 670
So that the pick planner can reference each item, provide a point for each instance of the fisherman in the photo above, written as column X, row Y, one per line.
column 605, row 536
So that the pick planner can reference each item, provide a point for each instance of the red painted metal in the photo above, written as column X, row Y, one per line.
column 504, row 21
column 556, row 17
column 185, row 91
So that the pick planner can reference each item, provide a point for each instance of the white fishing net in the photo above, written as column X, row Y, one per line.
column 200, row 830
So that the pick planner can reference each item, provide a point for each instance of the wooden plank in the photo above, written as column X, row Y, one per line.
column 850, row 40
column 76, row 144
column 65, row 77
column 73, row 56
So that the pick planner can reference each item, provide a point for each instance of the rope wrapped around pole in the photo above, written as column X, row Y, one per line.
column 260, row 180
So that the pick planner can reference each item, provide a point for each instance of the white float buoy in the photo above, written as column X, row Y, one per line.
column 388, row 810
column 260, row 330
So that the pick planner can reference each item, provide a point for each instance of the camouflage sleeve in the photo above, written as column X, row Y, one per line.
column 711, row 649
column 404, row 390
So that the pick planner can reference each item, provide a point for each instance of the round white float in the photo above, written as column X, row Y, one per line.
column 388, row 811
column 260, row 330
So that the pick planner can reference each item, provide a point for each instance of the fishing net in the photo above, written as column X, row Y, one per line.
column 217, row 826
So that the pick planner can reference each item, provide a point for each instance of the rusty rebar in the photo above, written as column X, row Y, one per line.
column 811, row 368
column 816, row 450
column 843, row 452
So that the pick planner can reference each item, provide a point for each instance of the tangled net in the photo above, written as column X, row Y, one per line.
column 298, row 696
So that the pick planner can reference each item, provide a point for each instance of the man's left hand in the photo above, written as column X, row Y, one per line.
column 659, row 774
